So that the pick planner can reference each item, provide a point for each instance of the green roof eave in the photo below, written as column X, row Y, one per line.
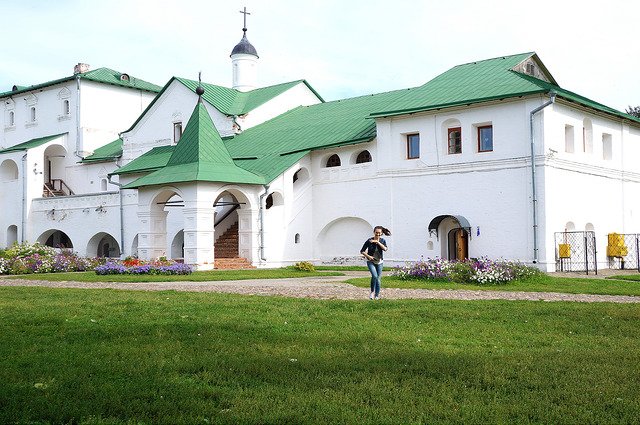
column 109, row 152
column 30, row 144
column 427, row 108
column 100, row 75
column 197, row 172
column 152, row 160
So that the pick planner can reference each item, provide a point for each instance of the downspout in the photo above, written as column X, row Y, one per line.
column 24, row 197
column 534, row 194
column 121, row 214
column 77, row 151
column 261, row 218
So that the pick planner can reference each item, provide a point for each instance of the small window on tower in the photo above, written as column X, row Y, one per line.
column 66, row 108
column 177, row 131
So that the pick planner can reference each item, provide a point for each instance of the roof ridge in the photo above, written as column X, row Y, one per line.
column 493, row 59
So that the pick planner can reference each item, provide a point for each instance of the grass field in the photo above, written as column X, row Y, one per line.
column 544, row 283
column 203, row 276
column 107, row 356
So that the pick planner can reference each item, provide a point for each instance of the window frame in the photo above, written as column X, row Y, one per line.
column 411, row 139
column 176, row 136
column 459, row 144
column 480, row 128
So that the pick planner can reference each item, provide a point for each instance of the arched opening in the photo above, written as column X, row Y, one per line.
column 362, row 157
column 589, row 227
column 333, row 161
column 167, row 217
column 8, row 170
column 296, row 238
column 177, row 246
column 569, row 227
column 343, row 237
column 103, row 245
column 56, row 239
column 54, row 171
column 274, row 199
column 12, row 235
column 228, row 207
column 456, row 228
column 134, row 247
column 300, row 177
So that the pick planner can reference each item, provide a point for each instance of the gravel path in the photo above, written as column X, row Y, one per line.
column 324, row 287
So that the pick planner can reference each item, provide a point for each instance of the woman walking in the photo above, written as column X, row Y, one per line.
column 372, row 250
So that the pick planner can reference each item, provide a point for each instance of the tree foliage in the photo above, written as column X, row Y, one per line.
column 634, row 110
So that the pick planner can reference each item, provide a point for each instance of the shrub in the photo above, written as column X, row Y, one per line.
column 165, row 267
column 481, row 271
column 304, row 266
column 26, row 258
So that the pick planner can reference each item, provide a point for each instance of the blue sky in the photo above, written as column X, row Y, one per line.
column 342, row 48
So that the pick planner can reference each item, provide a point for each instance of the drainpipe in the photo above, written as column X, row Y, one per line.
column 261, row 217
column 534, row 195
column 77, row 151
column 121, row 214
column 24, row 197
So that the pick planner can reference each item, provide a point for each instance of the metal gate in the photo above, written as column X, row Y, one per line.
column 576, row 252
column 623, row 252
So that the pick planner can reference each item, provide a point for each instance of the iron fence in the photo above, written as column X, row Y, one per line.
column 623, row 251
column 576, row 251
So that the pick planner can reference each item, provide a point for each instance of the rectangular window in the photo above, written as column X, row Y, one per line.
column 455, row 140
column 177, row 131
column 413, row 146
column 66, row 109
column 33, row 114
column 568, row 138
column 485, row 138
column 607, row 147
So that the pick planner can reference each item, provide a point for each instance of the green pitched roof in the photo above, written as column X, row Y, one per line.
column 100, row 75
column 229, row 101
column 150, row 161
column 482, row 81
column 108, row 152
column 199, row 156
column 31, row 143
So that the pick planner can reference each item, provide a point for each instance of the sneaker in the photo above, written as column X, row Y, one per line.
column 371, row 296
column 377, row 298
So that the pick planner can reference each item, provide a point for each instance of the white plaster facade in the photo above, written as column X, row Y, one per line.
column 326, row 213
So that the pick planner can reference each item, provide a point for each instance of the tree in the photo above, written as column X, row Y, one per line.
column 634, row 110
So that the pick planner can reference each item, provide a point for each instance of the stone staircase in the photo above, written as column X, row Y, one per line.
column 226, row 251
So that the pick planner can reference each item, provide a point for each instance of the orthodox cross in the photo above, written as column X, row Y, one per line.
column 245, row 13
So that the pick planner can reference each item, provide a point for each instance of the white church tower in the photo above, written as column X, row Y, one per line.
column 244, row 60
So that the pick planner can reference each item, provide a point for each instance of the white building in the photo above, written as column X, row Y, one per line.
column 491, row 158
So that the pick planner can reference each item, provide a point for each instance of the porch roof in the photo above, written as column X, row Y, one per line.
column 33, row 143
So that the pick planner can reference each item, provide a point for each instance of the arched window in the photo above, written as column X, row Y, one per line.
column 103, row 185
column 268, row 203
column 12, row 118
column 333, row 161
column 296, row 238
column 363, row 157
column 66, row 109
column 33, row 114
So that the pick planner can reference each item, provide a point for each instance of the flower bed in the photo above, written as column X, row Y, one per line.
column 481, row 271
column 139, row 267
column 35, row 258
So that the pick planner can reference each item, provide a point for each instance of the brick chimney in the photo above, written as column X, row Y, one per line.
column 80, row 68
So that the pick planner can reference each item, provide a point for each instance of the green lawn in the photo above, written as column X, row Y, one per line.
column 109, row 356
column 213, row 275
column 544, row 283
column 634, row 277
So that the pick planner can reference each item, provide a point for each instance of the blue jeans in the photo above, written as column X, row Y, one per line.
column 376, row 274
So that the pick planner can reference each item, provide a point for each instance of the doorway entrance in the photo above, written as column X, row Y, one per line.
column 458, row 245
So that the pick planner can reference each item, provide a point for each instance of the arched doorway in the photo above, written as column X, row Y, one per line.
column 226, row 226
column 458, row 244
column 177, row 246
column 103, row 245
column 56, row 239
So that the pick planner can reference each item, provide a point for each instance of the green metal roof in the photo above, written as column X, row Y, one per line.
column 108, row 152
column 482, row 81
column 229, row 101
column 272, row 147
column 100, row 75
column 200, row 155
column 31, row 143
column 150, row 161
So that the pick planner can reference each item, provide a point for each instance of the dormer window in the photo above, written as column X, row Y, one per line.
column 177, row 131
column 124, row 77
column 530, row 68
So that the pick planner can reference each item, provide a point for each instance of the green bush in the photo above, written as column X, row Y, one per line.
column 461, row 272
column 304, row 266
